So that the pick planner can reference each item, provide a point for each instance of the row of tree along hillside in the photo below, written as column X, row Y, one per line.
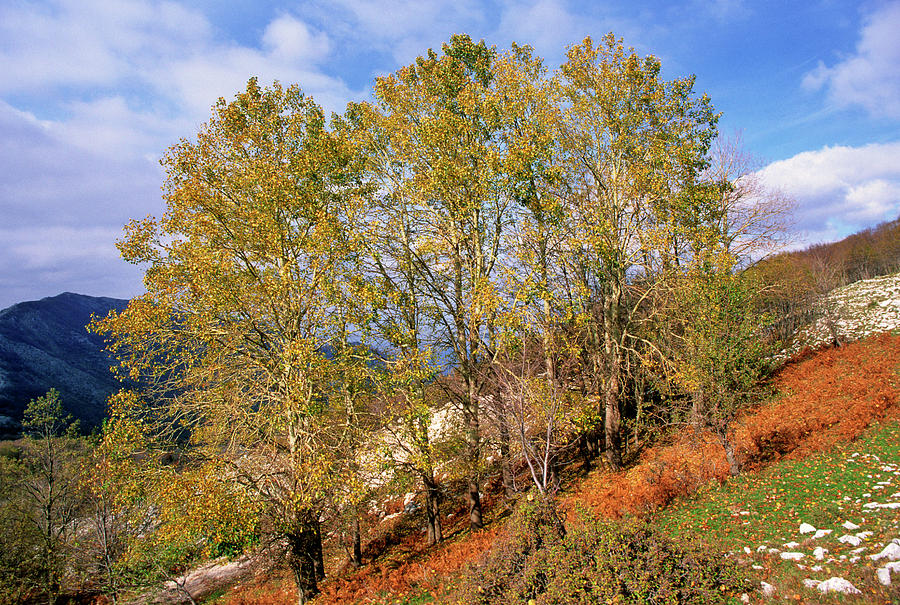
column 801, row 280
column 541, row 259
column 864, row 255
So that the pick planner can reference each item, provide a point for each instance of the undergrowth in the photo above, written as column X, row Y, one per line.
column 538, row 561
column 825, row 398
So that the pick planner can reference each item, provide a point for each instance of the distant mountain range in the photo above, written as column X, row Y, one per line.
column 44, row 345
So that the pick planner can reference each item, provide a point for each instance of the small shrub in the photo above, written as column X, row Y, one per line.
column 597, row 562
column 10, row 450
column 501, row 578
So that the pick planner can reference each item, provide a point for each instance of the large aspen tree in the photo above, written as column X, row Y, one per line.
column 435, row 132
column 239, row 341
column 635, row 145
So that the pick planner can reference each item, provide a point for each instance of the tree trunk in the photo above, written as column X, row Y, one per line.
column 734, row 467
column 613, row 417
column 698, row 405
column 317, row 545
column 305, row 551
column 432, row 510
column 473, row 498
column 473, row 445
column 506, row 473
column 356, row 543
column 584, row 449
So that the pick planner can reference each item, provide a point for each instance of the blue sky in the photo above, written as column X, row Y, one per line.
column 93, row 91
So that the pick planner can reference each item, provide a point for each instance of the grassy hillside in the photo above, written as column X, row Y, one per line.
column 822, row 449
column 758, row 517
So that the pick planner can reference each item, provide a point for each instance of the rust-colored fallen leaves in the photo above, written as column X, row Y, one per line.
column 825, row 397
column 429, row 573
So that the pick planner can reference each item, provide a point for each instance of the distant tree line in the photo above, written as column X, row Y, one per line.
column 799, row 281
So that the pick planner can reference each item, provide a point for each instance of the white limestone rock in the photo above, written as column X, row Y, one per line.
column 848, row 539
column 837, row 584
column 891, row 552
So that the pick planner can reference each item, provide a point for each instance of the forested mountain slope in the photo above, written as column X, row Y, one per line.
column 43, row 345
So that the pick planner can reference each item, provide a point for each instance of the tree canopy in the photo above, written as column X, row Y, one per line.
column 531, row 232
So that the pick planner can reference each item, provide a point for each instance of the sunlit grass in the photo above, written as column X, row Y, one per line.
column 764, row 511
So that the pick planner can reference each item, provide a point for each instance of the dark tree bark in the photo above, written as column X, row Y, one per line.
column 613, row 417
column 305, row 556
column 355, row 542
column 433, row 510
column 734, row 467
column 506, row 473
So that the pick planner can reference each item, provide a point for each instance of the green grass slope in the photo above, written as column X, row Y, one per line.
column 757, row 518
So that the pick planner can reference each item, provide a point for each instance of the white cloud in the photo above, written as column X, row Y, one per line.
column 125, row 55
column 93, row 93
column 201, row 78
column 91, row 42
column 291, row 40
column 28, row 247
column 412, row 18
column 405, row 29
column 44, row 261
column 870, row 78
column 63, row 206
column 545, row 24
column 839, row 190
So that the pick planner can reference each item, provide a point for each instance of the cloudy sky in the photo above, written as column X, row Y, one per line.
column 93, row 91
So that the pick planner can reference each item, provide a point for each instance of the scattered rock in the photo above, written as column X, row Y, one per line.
column 821, row 533
column 890, row 505
column 836, row 584
column 806, row 528
column 792, row 556
column 819, row 553
column 884, row 576
column 848, row 539
column 791, row 545
column 767, row 589
column 850, row 526
column 811, row 583
column 890, row 552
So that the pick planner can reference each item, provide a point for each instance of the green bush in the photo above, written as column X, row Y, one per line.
column 597, row 562
column 10, row 450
